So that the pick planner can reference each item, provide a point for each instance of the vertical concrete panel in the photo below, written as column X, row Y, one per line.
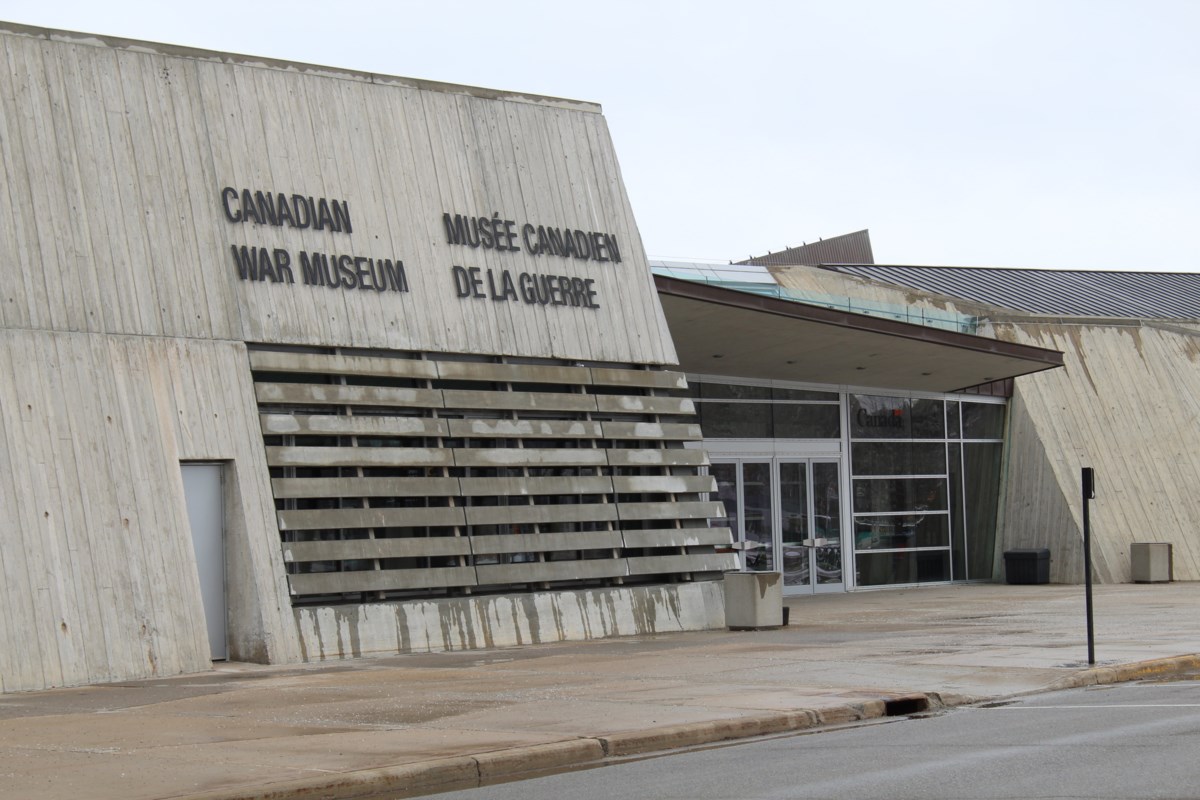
column 1126, row 404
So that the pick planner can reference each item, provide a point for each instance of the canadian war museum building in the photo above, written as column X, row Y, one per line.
column 307, row 364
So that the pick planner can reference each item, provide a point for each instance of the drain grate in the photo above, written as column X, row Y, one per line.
column 904, row 706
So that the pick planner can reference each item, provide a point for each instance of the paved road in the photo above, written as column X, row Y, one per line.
column 1128, row 741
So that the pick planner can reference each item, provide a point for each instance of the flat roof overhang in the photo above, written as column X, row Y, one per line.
column 720, row 331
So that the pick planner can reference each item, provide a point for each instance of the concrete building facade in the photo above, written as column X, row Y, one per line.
column 307, row 364
column 398, row 338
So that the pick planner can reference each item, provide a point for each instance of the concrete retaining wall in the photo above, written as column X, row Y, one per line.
column 467, row 623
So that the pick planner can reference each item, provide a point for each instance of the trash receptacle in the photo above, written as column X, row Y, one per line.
column 1027, row 565
column 1150, row 562
column 753, row 600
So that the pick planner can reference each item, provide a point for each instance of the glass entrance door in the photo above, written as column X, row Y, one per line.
column 811, row 530
column 746, row 489
column 787, row 514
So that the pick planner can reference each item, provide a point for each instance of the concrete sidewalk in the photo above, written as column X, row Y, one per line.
column 411, row 724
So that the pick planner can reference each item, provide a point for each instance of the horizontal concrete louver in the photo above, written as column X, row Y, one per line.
column 406, row 475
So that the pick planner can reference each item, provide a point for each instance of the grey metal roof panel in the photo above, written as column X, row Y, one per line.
column 1080, row 293
column 849, row 248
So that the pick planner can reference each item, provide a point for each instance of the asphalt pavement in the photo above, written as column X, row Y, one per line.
column 410, row 725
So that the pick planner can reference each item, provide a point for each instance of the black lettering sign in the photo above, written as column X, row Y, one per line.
column 261, row 264
column 279, row 210
column 495, row 233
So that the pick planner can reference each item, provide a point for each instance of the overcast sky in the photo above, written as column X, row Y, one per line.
column 1050, row 133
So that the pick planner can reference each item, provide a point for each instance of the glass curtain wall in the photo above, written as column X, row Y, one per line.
column 901, row 490
column 982, row 459
column 736, row 411
column 926, row 482
column 924, row 476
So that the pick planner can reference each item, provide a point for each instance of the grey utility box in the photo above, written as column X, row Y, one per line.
column 1151, row 562
column 753, row 600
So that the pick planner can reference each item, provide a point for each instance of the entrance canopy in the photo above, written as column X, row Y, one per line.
column 729, row 332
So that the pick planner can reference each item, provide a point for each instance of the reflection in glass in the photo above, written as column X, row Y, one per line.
column 898, row 458
column 952, row 419
column 827, row 521
column 981, row 471
column 793, row 508
column 901, row 531
column 778, row 393
column 726, row 477
column 983, row 421
column 873, row 417
column 733, row 391
column 958, row 542
column 807, row 421
column 928, row 419
column 899, row 494
column 913, row 566
column 756, row 510
column 735, row 420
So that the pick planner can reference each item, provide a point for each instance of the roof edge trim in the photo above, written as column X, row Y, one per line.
column 846, row 319
column 184, row 51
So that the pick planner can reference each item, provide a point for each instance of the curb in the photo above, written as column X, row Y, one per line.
column 422, row 777
column 469, row 772
column 1123, row 673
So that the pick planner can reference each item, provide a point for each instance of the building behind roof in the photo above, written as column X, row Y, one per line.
column 1125, row 402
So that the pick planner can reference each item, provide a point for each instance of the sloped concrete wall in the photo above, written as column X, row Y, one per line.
column 1126, row 403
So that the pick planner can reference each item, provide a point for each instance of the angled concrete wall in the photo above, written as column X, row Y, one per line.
column 147, row 243
column 99, row 573
column 1127, row 403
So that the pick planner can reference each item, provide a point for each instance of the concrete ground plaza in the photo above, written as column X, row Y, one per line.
column 408, row 725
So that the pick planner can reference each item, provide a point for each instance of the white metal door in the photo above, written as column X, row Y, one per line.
column 205, row 506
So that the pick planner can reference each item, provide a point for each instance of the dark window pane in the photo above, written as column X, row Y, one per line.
column 898, row 458
column 900, row 494
column 726, row 477
column 756, row 496
column 952, row 419
column 928, row 419
column 873, row 417
column 736, row 420
column 983, row 421
column 730, row 391
column 958, row 546
column 901, row 531
column 793, row 506
column 981, row 471
column 793, row 502
column 802, row 394
column 827, row 510
column 881, row 569
column 807, row 422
